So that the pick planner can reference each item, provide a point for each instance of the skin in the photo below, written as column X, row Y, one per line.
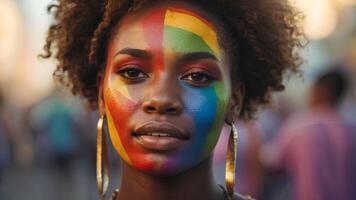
column 165, row 64
column 319, row 97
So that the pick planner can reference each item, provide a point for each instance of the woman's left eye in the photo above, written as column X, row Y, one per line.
column 198, row 78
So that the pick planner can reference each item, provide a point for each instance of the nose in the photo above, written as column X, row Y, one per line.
column 163, row 98
column 161, row 106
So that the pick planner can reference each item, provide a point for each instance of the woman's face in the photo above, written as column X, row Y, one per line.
column 166, row 89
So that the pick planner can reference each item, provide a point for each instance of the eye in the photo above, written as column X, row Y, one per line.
column 132, row 73
column 198, row 78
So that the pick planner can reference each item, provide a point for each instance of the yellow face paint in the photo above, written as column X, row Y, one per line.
column 159, row 37
column 114, row 136
column 190, row 22
column 121, row 87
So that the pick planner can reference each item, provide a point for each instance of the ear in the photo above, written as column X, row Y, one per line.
column 101, row 102
column 236, row 103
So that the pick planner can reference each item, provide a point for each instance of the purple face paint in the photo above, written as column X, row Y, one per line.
column 166, row 67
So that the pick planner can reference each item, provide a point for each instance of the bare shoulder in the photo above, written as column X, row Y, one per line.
column 241, row 197
column 236, row 196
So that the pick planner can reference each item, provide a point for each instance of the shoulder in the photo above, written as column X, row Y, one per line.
column 236, row 196
column 242, row 197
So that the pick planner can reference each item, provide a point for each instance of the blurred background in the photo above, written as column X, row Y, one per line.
column 47, row 137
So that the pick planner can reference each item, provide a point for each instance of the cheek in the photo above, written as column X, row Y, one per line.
column 207, row 107
column 200, row 104
column 119, row 108
column 119, row 101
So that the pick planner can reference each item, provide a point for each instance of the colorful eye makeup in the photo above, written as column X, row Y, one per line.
column 165, row 66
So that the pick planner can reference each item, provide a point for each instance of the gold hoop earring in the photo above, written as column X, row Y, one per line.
column 102, row 161
column 231, row 161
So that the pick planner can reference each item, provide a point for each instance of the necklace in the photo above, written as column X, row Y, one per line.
column 226, row 196
column 116, row 192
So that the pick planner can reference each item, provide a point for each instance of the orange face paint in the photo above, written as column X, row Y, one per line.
column 162, row 48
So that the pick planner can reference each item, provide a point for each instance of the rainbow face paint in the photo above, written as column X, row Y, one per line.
column 165, row 58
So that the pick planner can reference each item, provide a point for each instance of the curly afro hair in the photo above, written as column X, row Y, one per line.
column 264, row 37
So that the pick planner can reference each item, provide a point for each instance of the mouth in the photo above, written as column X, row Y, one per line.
column 160, row 136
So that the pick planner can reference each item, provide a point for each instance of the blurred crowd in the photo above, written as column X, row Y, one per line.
column 301, row 147
column 47, row 150
column 307, row 154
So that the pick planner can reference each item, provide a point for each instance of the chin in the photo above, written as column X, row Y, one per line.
column 161, row 164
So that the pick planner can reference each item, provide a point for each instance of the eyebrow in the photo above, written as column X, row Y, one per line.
column 192, row 56
column 138, row 53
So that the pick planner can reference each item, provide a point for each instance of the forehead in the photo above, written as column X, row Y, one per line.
column 169, row 27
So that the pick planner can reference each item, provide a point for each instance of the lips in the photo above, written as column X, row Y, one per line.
column 160, row 136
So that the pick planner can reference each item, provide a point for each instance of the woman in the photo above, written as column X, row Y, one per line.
column 166, row 76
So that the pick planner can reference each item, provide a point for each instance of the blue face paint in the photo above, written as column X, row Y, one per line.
column 201, row 105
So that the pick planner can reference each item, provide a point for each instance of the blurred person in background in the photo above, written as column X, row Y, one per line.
column 4, row 140
column 275, row 184
column 52, row 121
column 56, row 135
column 317, row 148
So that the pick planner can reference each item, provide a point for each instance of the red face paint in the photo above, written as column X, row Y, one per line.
column 149, row 79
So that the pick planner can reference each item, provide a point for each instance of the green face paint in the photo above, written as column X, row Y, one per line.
column 146, row 44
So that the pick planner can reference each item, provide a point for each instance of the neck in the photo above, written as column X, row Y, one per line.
column 196, row 183
column 323, row 106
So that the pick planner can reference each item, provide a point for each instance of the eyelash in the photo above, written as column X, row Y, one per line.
column 131, row 68
column 206, row 77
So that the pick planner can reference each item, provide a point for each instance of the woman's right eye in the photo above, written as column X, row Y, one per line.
column 132, row 74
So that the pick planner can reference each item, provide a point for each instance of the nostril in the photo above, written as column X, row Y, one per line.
column 161, row 107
